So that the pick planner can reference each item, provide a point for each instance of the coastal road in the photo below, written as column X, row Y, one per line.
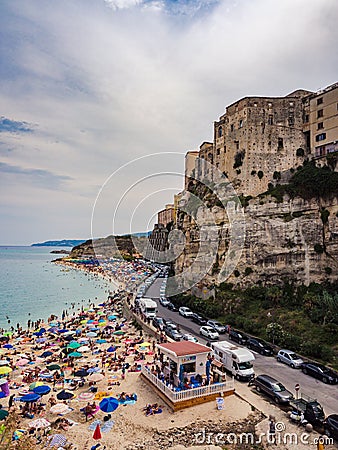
column 327, row 395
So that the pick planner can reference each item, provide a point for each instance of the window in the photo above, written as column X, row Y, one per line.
column 225, row 149
column 319, row 101
column 232, row 127
column 320, row 137
column 320, row 113
column 270, row 119
column 280, row 143
column 237, row 145
column 306, row 118
column 291, row 121
column 320, row 125
column 220, row 132
column 218, row 151
column 241, row 123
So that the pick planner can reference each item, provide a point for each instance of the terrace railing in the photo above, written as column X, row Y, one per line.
column 177, row 396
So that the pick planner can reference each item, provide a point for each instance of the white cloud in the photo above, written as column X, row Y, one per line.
column 105, row 85
column 122, row 4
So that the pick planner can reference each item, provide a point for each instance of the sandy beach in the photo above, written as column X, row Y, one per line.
column 84, row 358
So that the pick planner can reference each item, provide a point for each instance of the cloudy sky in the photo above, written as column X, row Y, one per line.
column 88, row 86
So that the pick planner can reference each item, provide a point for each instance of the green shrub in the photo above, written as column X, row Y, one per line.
column 300, row 152
column 328, row 270
column 318, row 248
column 324, row 215
column 248, row 271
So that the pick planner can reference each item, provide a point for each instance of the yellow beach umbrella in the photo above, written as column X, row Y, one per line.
column 4, row 370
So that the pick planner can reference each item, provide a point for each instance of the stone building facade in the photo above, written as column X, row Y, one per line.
column 166, row 216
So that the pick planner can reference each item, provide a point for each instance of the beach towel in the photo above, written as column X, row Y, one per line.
column 92, row 426
column 126, row 402
column 107, row 426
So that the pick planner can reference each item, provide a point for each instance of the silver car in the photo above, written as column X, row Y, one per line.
column 290, row 358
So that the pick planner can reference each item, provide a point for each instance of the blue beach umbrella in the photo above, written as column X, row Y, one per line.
column 30, row 398
column 63, row 331
column 46, row 354
column 109, row 404
column 8, row 346
column 101, row 341
column 111, row 349
column 41, row 390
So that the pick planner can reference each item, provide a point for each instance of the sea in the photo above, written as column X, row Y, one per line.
column 32, row 287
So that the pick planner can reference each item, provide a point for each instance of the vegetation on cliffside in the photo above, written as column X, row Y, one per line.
column 309, row 181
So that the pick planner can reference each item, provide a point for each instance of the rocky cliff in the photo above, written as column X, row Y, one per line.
column 289, row 238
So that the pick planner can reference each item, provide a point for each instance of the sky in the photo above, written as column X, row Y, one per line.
column 90, row 88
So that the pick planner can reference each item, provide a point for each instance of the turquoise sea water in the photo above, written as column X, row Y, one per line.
column 32, row 287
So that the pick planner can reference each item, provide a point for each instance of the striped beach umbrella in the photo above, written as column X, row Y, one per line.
column 96, row 377
column 39, row 423
column 85, row 396
column 59, row 408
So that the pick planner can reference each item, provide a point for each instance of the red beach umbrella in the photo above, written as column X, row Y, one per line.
column 97, row 432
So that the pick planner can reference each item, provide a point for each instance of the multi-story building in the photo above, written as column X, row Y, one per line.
column 258, row 138
column 189, row 166
column 321, row 121
column 166, row 216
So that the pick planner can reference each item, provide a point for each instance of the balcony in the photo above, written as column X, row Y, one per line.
column 177, row 400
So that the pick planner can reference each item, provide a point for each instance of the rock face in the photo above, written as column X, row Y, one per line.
column 109, row 247
column 295, row 240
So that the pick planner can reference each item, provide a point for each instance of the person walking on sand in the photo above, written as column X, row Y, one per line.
column 272, row 431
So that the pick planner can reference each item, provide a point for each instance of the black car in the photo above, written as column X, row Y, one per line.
column 321, row 372
column 172, row 307
column 158, row 323
column 259, row 346
column 331, row 426
column 238, row 336
column 198, row 319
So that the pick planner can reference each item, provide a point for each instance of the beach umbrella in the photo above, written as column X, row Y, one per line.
column 39, row 423
column 68, row 338
column 35, row 384
column 45, row 375
column 40, row 340
column 75, row 355
column 97, row 432
column 111, row 349
column 28, row 398
column 53, row 367
column 74, row 345
column 57, row 440
column 84, row 348
column 59, row 408
column 8, row 346
column 8, row 333
column 109, row 404
column 4, row 370
column 46, row 354
column 22, row 362
column 96, row 377
column 101, row 341
column 81, row 373
column 119, row 332
column 3, row 414
column 85, row 396
column 91, row 334
column 112, row 317
column 62, row 331
column 41, row 390
column 4, row 362
column 64, row 395
column 93, row 369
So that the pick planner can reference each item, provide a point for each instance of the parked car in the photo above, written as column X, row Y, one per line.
column 272, row 387
column 185, row 311
column 331, row 426
column 200, row 320
column 290, row 358
column 171, row 306
column 259, row 346
column 209, row 332
column 173, row 333
column 190, row 338
column 238, row 336
column 164, row 301
column 168, row 322
column 321, row 372
column 158, row 323
column 216, row 326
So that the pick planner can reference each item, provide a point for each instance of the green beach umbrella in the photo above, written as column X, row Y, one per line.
column 54, row 367
column 3, row 414
column 74, row 345
column 75, row 354
column 119, row 332
column 8, row 333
